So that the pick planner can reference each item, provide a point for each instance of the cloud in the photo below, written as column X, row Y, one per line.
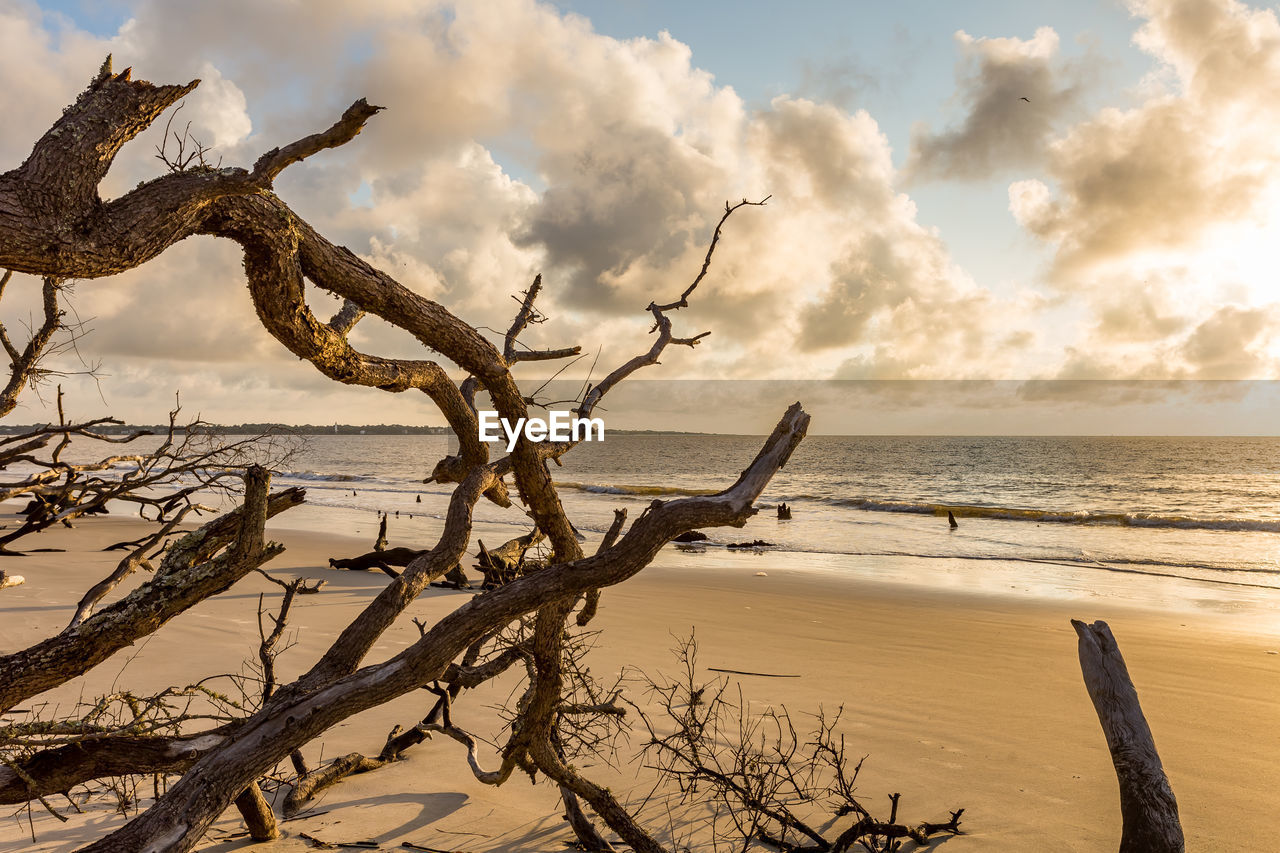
column 1161, row 217
column 1014, row 93
column 518, row 140
column 1197, row 153
column 1229, row 344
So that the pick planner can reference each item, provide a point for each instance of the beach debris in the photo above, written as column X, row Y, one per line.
column 755, row 543
column 803, row 792
column 784, row 512
column 384, row 559
column 259, row 817
column 691, row 536
column 1269, row 651
column 418, row 501
column 1148, row 809
column 335, row 845
column 762, row 574
column 505, row 563
column 7, row 580
column 747, row 672
column 951, row 520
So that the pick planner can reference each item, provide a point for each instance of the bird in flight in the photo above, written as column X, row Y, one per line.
column 1028, row 100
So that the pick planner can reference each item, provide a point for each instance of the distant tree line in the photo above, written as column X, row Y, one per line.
column 258, row 429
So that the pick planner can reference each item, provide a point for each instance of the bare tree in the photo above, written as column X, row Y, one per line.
column 56, row 225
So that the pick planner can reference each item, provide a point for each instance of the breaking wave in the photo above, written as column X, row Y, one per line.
column 638, row 491
column 1040, row 516
column 1050, row 516
column 327, row 478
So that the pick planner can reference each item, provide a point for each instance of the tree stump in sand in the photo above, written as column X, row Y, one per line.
column 1147, row 804
column 505, row 563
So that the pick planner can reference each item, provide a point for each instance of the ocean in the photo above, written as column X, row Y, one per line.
column 1204, row 510
column 1176, row 522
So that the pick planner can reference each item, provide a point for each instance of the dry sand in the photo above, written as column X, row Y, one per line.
column 959, row 699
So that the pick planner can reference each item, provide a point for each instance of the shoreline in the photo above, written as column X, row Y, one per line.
column 961, row 696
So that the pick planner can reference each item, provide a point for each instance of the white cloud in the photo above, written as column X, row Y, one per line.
column 1014, row 93
column 518, row 140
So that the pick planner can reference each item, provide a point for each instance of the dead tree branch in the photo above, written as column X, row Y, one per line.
column 189, row 573
column 1147, row 804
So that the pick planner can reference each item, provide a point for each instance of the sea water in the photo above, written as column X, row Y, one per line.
column 1165, row 521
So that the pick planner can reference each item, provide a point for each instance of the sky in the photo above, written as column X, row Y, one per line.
column 988, row 190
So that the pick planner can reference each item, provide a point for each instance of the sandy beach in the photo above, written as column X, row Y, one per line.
column 961, row 699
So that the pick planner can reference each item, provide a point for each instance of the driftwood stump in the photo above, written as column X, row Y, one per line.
column 505, row 563
column 1147, row 804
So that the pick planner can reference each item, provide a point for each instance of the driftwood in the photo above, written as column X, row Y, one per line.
column 57, row 225
column 191, row 460
column 505, row 563
column 784, row 512
column 591, row 601
column 384, row 559
column 755, row 543
column 1147, row 804
column 189, row 573
column 257, row 814
column 760, row 778
column 691, row 536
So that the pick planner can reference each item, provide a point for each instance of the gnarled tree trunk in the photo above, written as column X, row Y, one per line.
column 1147, row 804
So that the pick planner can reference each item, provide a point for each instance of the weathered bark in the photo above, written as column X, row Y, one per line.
column 257, row 814
column 23, row 364
column 503, row 564
column 136, row 559
column 382, row 560
column 588, row 836
column 591, row 601
column 189, row 574
column 52, row 771
column 1147, row 804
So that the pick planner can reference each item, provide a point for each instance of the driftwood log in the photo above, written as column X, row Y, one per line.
column 384, row 559
column 505, row 563
column 1147, row 804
